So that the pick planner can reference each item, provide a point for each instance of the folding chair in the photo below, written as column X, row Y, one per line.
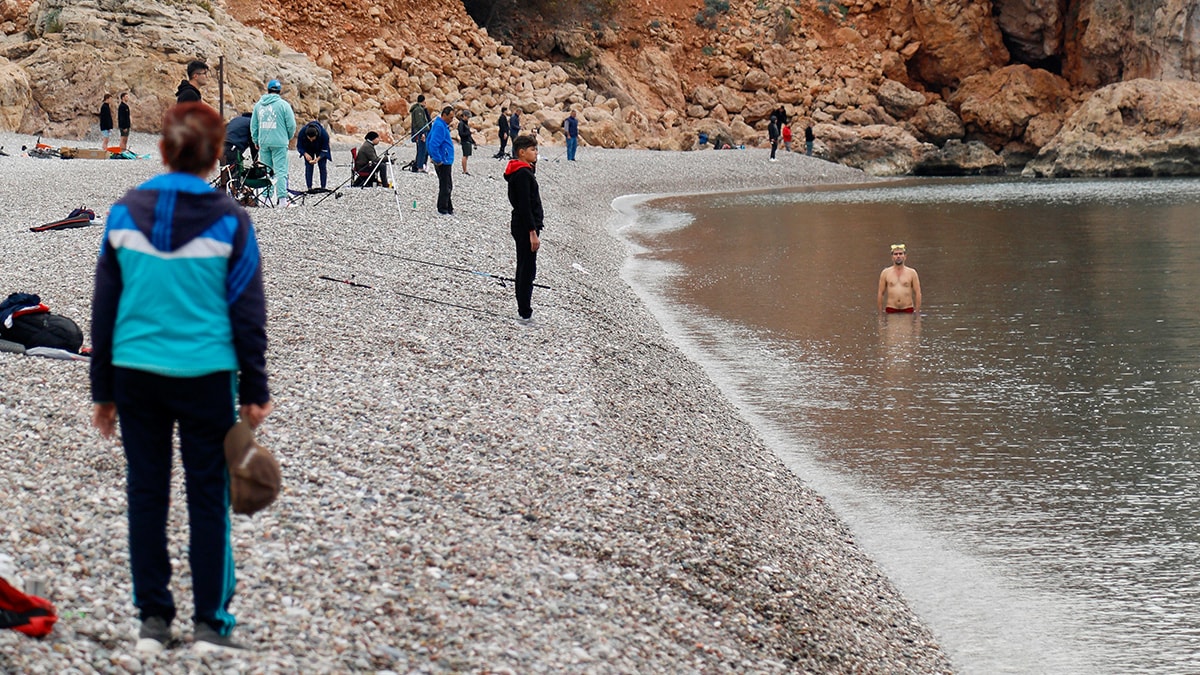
column 252, row 185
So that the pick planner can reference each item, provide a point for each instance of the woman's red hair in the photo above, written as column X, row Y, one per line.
column 192, row 137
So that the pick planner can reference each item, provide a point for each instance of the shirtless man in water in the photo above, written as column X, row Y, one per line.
column 899, row 284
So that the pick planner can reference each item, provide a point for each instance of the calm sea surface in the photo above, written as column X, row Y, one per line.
column 1023, row 458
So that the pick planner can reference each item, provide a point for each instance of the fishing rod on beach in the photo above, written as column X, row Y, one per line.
column 336, row 192
column 418, row 297
column 449, row 267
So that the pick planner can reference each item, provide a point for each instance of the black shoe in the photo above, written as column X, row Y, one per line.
column 208, row 640
column 154, row 635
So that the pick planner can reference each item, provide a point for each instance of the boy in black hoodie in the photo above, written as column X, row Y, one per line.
column 527, row 218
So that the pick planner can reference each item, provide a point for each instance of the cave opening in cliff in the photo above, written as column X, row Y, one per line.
column 1020, row 54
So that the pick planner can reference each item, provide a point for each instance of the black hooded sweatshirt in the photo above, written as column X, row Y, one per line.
column 186, row 92
column 525, row 198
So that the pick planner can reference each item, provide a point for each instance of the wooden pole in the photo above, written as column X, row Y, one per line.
column 221, row 83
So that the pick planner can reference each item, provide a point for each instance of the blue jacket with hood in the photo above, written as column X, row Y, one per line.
column 179, row 289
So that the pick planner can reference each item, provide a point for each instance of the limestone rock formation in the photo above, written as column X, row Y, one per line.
column 936, row 123
column 997, row 107
column 1136, row 128
column 83, row 48
column 1113, row 40
column 956, row 158
column 15, row 95
column 1033, row 29
column 651, row 75
column 879, row 150
column 956, row 39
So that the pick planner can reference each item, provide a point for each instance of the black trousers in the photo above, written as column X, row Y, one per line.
column 445, row 185
column 774, row 146
column 526, row 273
column 503, row 144
column 149, row 407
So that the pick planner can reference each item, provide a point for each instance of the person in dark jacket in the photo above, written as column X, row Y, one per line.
column 124, row 122
column 237, row 138
column 502, row 125
column 189, row 89
column 774, row 133
column 106, row 120
column 514, row 128
column 179, row 326
column 571, row 129
column 419, row 115
column 526, row 222
column 465, row 139
column 313, row 145
column 368, row 170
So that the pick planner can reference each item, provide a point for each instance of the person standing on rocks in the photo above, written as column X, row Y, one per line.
column 571, row 126
column 179, row 326
column 809, row 139
column 441, row 151
column 313, row 145
column 502, row 124
column 420, row 132
column 189, row 89
column 526, row 222
column 272, row 125
column 465, row 139
column 899, row 285
column 786, row 130
column 124, row 123
column 106, row 120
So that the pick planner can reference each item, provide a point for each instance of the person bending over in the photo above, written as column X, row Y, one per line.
column 313, row 145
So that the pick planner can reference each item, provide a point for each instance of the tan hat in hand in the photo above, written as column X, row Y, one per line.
column 254, row 475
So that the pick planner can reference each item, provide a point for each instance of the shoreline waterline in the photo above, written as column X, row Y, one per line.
column 460, row 492
column 923, row 430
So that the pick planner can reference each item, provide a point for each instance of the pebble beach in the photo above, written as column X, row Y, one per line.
column 461, row 493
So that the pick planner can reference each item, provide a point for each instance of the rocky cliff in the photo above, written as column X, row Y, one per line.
column 887, row 84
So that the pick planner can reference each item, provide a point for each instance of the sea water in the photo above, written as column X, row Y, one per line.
column 1023, row 456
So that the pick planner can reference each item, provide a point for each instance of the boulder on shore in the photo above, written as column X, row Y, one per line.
column 1134, row 128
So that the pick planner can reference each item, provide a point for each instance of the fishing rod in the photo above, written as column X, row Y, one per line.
column 449, row 267
column 345, row 281
column 421, row 298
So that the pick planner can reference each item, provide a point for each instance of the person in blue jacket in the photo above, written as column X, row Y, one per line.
column 441, row 151
column 313, row 145
column 179, row 327
column 272, row 125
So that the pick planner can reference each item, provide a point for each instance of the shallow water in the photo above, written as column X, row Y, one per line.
column 1021, row 456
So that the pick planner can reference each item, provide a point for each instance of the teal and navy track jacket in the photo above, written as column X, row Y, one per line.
column 179, row 288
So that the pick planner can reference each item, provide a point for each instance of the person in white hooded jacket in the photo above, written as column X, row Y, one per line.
column 272, row 126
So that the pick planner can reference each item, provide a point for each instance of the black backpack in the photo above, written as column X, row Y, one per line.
column 43, row 329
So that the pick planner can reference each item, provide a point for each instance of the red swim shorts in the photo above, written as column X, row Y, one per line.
column 906, row 310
